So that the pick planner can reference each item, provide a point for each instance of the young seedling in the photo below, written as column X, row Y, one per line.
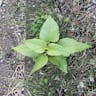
column 48, row 47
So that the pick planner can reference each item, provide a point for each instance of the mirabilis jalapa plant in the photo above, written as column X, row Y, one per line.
column 48, row 47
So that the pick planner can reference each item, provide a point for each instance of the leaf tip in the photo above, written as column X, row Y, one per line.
column 88, row 46
column 14, row 48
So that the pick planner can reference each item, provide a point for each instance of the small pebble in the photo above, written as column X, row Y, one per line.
column 3, row 5
column 12, row 27
column 1, row 29
column 3, row 17
column 91, row 78
column 61, row 1
column 94, row 1
column 33, row 5
column 81, row 85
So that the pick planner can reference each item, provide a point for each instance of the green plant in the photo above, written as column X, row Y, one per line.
column 37, row 23
column 49, row 47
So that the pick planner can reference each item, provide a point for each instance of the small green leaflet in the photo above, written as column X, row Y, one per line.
column 60, row 62
column 24, row 50
column 71, row 46
column 55, row 49
column 40, row 62
column 35, row 45
column 66, row 19
column 50, row 30
column 29, row 93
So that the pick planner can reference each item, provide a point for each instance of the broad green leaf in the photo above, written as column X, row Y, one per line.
column 71, row 46
column 50, row 30
column 36, row 45
column 24, row 50
column 55, row 49
column 60, row 62
column 40, row 62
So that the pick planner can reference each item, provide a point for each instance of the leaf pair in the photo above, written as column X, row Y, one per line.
column 33, row 47
column 46, row 47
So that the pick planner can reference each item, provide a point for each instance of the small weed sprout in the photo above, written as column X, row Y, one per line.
column 48, row 47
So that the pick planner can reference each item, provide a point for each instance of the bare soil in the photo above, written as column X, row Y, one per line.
column 12, row 31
